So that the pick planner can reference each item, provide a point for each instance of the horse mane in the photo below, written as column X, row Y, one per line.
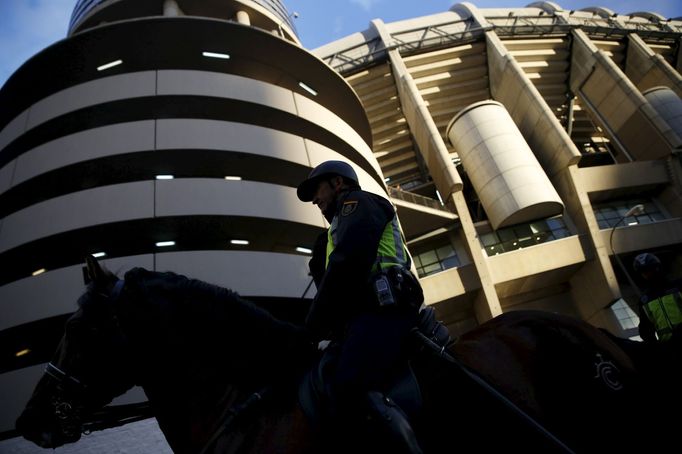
column 172, row 288
column 215, row 317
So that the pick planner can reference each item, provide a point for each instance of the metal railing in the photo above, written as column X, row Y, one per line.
column 360, row 56
column 417, row 199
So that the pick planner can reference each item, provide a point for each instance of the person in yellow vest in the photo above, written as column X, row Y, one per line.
column 660, row 305
column 367, row 299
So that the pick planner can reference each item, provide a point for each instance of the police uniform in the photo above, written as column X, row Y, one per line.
column 363, row 241
column 367, row 300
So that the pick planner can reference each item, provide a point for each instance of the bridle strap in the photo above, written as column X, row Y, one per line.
column 61, row 376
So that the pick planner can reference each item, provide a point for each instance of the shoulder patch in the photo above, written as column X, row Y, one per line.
column 349, row 207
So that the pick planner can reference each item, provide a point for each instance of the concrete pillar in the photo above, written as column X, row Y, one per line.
column 616, row 104
column 646, row 69
column 243, row 17
column 442, row 170
column 510, row 85
column 592, row 299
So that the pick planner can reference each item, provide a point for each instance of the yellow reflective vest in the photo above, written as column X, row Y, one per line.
column 665, row 312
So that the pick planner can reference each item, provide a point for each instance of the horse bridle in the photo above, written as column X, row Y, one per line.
column 70, row 384
column 66, row 379
column 62, row 378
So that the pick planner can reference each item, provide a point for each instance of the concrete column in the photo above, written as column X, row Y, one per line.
column 243, row 18
column 614, row 102
column 510, row 85
column 646, row 69
column 594, row 286
column 442, row 170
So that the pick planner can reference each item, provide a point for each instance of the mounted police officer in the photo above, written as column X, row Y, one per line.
column 367, row 299
column 661, row 302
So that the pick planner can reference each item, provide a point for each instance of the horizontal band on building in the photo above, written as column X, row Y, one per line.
column 135, row 237
column 181, row 107
column 178, row 43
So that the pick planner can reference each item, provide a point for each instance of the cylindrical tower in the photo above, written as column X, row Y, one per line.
column 510, row 182
column 668, row 105
column 168, row 135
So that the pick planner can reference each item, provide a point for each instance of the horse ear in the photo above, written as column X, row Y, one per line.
column 95, row 271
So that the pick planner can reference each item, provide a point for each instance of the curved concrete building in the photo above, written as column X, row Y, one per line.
column 220, row 96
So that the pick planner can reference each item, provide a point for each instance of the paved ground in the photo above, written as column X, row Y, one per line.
column 143, row 437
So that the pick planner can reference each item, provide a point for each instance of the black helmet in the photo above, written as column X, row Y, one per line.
column 306, row 190
column 646, row 262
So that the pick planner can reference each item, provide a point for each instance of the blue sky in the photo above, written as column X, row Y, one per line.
column 28, row 26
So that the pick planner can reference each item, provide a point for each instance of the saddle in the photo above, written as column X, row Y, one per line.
column 314, row 393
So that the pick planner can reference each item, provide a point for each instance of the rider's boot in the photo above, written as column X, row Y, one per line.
column 393, row 422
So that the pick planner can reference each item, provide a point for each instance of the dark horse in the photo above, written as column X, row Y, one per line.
column 199, row 351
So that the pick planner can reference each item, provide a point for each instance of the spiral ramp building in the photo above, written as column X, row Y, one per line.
column 512, row 142
column 169, row 135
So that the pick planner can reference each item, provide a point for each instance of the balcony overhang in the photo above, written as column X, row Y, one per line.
column 420, row 215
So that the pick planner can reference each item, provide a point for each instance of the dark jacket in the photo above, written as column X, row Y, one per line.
column 343, row 290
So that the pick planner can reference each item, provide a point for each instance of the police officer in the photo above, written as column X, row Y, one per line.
column 367, row 300
column 660, row 305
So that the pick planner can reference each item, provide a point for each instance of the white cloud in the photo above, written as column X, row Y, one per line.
column 365, row 4
column 338, row 25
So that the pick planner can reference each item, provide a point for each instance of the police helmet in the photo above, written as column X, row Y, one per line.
column 646, row 262
column 306, row 190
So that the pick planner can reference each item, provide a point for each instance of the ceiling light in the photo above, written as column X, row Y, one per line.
column 387, row 179
column 215, row 55
column 233, row 178
column 99, row 254
column 304, row 250
column 109, row 65
column 165, row 243
column 23, row 352
column 239, row 242
column 37, row 272
column 307, row 88
column 164, row 177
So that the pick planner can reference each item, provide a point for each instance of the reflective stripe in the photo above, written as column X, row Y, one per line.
column 391, row 250
column 331, row 240
column 397, row 238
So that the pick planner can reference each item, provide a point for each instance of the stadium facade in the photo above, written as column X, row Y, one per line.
column 172, row 134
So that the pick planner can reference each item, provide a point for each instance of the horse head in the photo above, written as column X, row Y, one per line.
column 88, row 369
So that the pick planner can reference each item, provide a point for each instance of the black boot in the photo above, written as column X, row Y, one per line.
column 393, row 422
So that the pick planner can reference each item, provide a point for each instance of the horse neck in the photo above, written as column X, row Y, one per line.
column 200, row 349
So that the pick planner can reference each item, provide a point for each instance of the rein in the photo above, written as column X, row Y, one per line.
column 233, row 413
column 440, row 352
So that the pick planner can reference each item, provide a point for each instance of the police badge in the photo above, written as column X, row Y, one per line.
column 349, row 207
